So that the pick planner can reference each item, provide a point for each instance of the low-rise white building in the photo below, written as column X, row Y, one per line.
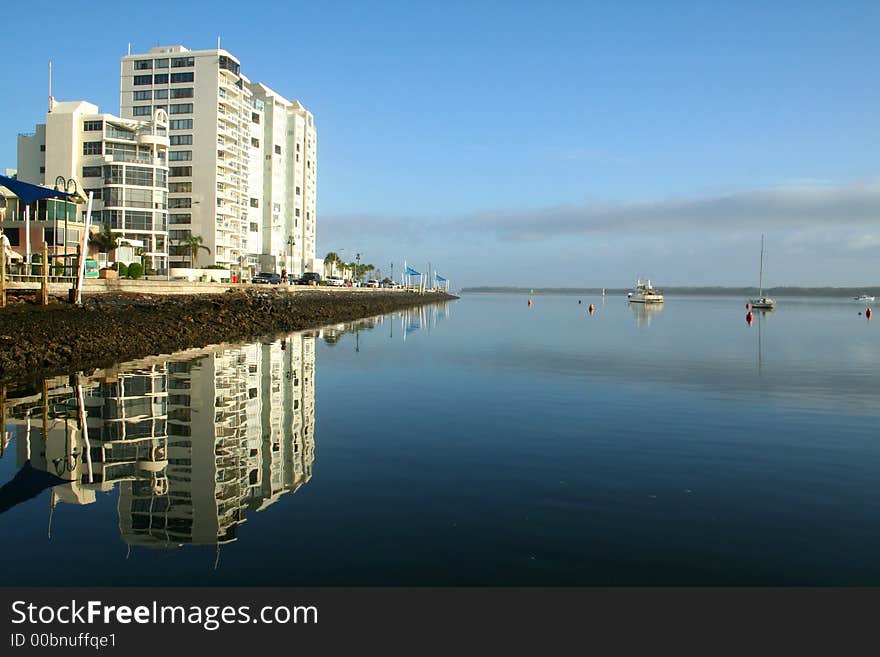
column 123, row 162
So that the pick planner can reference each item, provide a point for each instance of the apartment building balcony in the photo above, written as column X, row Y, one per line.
column 158, row 141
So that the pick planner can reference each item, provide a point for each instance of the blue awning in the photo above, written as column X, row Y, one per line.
column 29, row 193
column 412, row 272
column 439, row 278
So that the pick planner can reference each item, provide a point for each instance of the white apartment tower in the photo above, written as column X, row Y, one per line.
column 289, row 182
column 242, row 160
column 212, row 120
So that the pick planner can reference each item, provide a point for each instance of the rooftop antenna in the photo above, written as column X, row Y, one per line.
column 218, row 42
column 129, row 48
column 51, row 100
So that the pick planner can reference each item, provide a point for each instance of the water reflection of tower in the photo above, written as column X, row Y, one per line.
column 240, row 425
column 208, row 457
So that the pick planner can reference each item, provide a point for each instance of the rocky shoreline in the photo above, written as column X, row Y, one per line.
column 37, row 341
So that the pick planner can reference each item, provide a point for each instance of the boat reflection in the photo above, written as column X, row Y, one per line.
column 645, row 312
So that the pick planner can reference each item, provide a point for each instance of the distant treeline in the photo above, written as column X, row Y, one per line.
column 701, row 291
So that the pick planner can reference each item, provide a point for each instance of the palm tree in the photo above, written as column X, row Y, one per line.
column 105, row 239
column 194, row 244
column 331, row 260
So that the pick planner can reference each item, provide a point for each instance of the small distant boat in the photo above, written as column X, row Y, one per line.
column 864, row 297
column 762, row 302
column 645, row 293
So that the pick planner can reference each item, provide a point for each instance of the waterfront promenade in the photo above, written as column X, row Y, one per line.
column 37, row 341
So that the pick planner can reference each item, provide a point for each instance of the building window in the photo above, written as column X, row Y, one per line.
column 147, row 94
column 182, row 218
column 255, row 142
column 178, row 187
column 296, row 212
column 180, row 156
column 91, row 172
column 297, row 157
column 181, row 108
column 189, row 76
column 143, row 64
column 255, row 117
column 138, row 198
column 181, row 124
column 277, row 149
column 14, row 235
column 113, row 196
column 113, row 174
column 177, row 140
column 162, row 63
column 174, row 203
column 53, row 236
column 42, row 169
column 297, row 147
column 143, row 79
column 255, row 202
column 135, row 220
column 183, row 92
column 255, row 228
column 42, row 148
column 160, row 94
column 142, row 176
column 91, row 148
column 89, row 126
column 298, row 191
column 160, row 78
column 178, row 172
column 179, row 62
column 140, row 110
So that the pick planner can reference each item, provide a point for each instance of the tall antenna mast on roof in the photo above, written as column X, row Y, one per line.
column 129, row 48
column 51, row 100
column 218, row 42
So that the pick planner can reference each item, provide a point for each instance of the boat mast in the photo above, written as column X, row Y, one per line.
column 761, row 274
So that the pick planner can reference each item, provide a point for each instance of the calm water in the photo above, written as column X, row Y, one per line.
column 479, row 442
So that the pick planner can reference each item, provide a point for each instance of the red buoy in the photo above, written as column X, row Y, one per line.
column 530, row 302
column 592, row 309
column 750, row 318
column 748, row 305
column 868, row 313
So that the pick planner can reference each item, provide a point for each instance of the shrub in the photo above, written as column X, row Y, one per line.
column 59, row 269
column 122, row 268
column 135, row 270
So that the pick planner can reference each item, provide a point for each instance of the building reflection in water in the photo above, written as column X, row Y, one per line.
column 193, row 442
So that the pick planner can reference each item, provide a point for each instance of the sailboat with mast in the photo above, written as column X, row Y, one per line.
column 762, row 302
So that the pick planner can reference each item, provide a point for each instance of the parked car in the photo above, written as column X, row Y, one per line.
column 310, row 278
column 268, row 278
column 335, row 281
column 373, row 282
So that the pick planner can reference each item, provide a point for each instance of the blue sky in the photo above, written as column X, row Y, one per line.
column 543, row 143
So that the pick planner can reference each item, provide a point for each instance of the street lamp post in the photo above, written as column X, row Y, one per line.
column 357, row 268
column 63, row 184
column 291, row 242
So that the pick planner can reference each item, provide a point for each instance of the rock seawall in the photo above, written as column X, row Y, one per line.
column 37, row 341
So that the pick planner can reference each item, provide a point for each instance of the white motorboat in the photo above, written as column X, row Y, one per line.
column 645, row 292
column 864, row 298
